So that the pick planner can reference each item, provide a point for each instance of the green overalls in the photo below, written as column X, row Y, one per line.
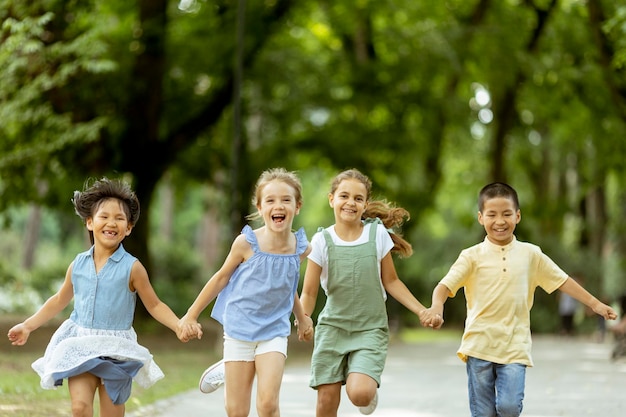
column 352, row 330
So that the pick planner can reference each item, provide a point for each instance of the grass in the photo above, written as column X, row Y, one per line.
column 421, row 335
column 21, row 395
column 182, row 364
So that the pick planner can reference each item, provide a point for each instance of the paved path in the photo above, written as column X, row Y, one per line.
column 571, row 378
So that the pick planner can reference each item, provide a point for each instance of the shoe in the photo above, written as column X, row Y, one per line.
column 212, row 378
column 369, row 409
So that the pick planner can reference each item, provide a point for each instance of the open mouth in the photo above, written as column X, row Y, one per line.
column 278, row 218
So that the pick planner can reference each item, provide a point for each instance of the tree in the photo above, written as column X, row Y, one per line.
column 430, row 99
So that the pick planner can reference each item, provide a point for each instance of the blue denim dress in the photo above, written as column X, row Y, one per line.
column 98, row 337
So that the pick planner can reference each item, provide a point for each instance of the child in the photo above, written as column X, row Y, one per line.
column 352, row 262
column 257, row 287
column 96, row 349
column 499, row 277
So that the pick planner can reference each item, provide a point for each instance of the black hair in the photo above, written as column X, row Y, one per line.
column 497, row 189
column 86, row 202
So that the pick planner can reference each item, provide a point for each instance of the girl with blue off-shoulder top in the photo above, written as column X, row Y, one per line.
column 256, row 290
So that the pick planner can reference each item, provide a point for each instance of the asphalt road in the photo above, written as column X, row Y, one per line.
column 571, row 378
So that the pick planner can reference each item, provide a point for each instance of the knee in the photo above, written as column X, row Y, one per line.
column 361, row 397
column 509, row 408
column 81, row 409
column 267, row 407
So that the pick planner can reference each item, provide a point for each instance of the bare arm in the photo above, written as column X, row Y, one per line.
column 18, row 334
column 303, row 320
column 574, row 289
column 439, row 298
column 310, row 287
column 140, row 282
column 239, row 251
column 396, row 288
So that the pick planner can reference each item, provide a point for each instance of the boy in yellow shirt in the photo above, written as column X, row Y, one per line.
column 499, row 277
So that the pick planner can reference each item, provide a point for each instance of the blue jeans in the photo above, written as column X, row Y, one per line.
column 495, row 390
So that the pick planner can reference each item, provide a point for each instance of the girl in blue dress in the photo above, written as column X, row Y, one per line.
column 96, row 349
column 257, row 287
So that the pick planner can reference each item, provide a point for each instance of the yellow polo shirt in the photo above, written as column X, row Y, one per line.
column 499, row 284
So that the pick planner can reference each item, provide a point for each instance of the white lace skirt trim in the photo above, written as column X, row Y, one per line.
column 72, row 345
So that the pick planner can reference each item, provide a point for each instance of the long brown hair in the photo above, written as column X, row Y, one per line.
column 392, row 217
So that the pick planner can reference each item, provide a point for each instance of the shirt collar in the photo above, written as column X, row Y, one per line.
column 500, row 248
column 117, row 255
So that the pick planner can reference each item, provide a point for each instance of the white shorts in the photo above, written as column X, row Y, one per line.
column 240, row 350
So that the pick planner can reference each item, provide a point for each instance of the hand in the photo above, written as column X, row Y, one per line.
column 187, row 329
column 305, row 329
column 18, row 335
column 431, row 318
column 605, row 311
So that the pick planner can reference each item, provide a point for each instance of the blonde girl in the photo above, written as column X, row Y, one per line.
column 257, row 287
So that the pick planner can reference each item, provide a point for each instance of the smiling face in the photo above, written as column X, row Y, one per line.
column 278, row 205
column 499, row 217
column 109, row 223
column 349, row 201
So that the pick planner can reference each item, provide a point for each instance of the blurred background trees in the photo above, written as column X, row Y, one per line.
column 190, row 100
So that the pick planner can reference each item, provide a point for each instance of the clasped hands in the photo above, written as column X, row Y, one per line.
column 431, row 318
column 305, row 329
column 188, row 329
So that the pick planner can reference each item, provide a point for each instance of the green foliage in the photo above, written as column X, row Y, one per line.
column 37, row 122
column 177, row 277
column 390, row 87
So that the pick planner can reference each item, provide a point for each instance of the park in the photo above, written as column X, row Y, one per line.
column 190, row 101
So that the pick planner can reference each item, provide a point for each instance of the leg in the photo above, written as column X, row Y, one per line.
column 366, row 362
column 269, row 370
column 238, row 384
column 82, row 390
column 328, row 397
column 107, row 408
column 510, row 381
column 481, row 387
column 361, row 389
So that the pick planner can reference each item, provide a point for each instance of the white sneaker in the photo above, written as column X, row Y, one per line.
column 212, row 378
column 369, row 409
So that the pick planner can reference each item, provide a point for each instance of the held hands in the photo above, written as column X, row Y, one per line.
column 188, row 329
column 305, row 329
column 18, row 334
column 431, row 318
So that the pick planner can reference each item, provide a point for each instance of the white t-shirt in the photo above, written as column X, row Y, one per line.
column 319, row 253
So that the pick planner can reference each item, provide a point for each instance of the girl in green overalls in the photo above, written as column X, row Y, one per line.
column 352, row 262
